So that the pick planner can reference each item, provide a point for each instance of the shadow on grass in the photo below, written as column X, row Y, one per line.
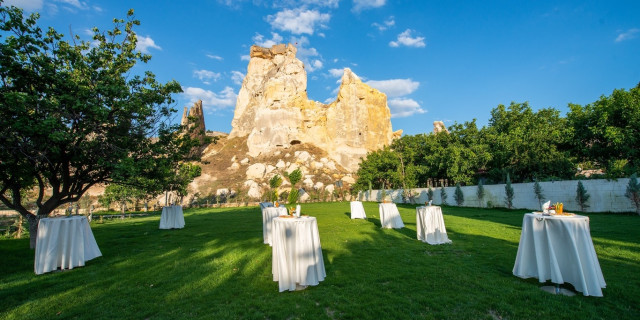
column 218, row 263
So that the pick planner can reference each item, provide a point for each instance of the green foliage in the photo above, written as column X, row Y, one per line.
column 582, row 196
column 443, row 195
column 179, row 182
column 74, row 114
column 383, row 194
column 430, row 194
column 381, row 167
column 295, row 176
column 508, row 191
column 121, row 194
column 274, row 183
column 537, row 190
column 633, row 191
column 606, row 131
column 529, row 144
column 480, row 193
column 458, row 196
column 292, row 198
column 616, row 168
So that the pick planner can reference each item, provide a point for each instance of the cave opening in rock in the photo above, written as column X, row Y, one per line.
column 294, row 142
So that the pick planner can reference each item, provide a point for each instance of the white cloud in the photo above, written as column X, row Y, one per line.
column 237, row 77
column 395, row 87
column 298, row 21
column 317, row 64
column 144, row 43
column 309, row 56
column 295, row 3
column 205, row 75
column 211, row 100
column 214, row 57
column 404, row 107
column 26, row 5
column 405, row 39
column 75, row 3
column 627, row 35
column 322, row 3
column 260, row 40
column 359, row 5
column 336, row 73
column 390, row 22
column 245, row 57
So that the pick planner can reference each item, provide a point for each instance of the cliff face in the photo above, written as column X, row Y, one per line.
column 273, row 111
column 196, row 128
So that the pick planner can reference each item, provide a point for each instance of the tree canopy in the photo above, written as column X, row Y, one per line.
column 75, row 114
column 607, row 132
column 519, row 142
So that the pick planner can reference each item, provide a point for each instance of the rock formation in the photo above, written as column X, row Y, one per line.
column 438, row 126
column 273, row 111
column 195, row 125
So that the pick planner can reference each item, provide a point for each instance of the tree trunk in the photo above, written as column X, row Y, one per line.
column 33, row 230
column 19, row 232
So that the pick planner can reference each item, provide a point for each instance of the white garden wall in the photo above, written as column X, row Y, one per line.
column 606, row 195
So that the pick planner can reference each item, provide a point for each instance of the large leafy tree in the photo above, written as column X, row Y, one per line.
column 466, row 153
column 607, row 132
column 118, row 193
column 73, row 114
column 381, row 168
column 529, row 144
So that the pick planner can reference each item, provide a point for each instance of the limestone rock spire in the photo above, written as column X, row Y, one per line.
column 273, row 110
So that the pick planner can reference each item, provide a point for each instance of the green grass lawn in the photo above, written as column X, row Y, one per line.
column 218, row 268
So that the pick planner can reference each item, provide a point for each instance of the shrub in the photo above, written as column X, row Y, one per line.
column 383, row 194
column 274, row 183
column 458, row 196
column 430, row 194
column 633, row 191
column 443, row 195
column 508, row 191
column 480, row 193
column 582, row 196
column 295, row 176
column 537, row 190
column 293, row 196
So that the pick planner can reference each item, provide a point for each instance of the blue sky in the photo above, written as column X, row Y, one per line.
column 436, row 60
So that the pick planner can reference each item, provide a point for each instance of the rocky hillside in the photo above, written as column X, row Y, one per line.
column 273, row 111
column 277, row 129
column 229, row 169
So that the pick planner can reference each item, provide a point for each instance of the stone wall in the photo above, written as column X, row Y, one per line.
column 606, row 195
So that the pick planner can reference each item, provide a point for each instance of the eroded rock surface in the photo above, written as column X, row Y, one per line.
column 274, row 112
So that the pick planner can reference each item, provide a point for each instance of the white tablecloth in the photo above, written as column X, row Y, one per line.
column 357, row 210
column 268, row 214
column 172, row 218
column 297, row 254
column 64, row 243
column 389, row 216
column 430, row 225
column 560, row 249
